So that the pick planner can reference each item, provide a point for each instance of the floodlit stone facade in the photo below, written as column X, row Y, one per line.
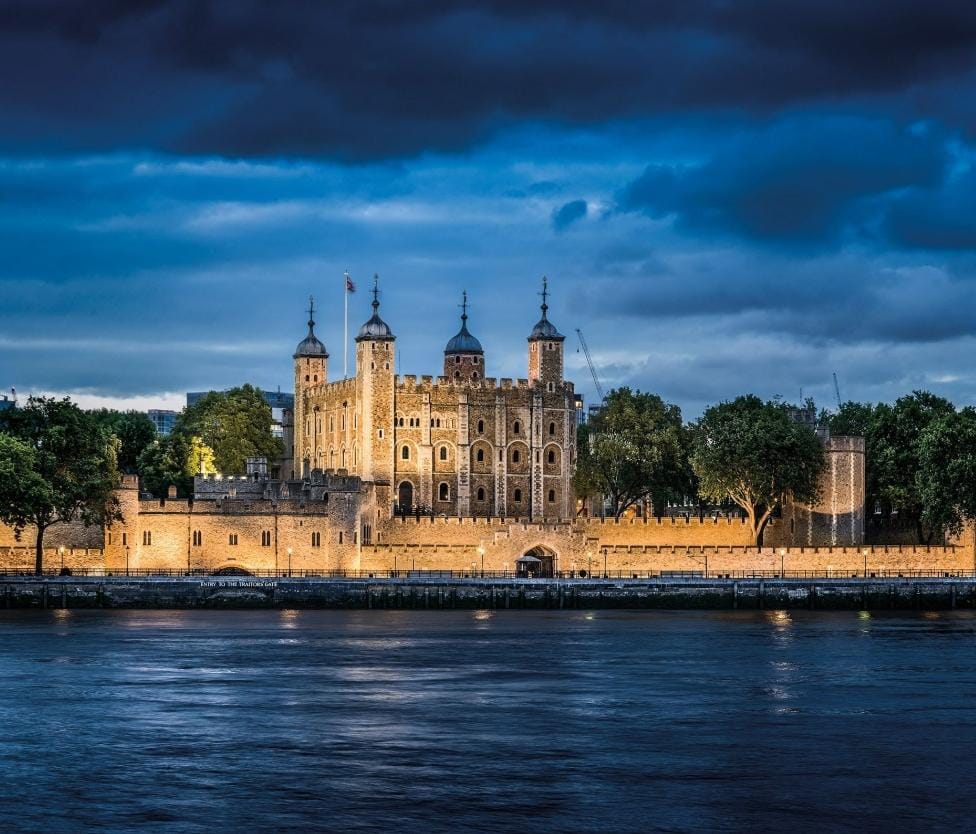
column 460, row 444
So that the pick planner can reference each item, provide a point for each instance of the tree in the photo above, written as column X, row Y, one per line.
column 754, row 453
column 173, row 461
column 946, row 477
column 134, row 430
column 893, row 436
column 69, row 471
column 634, row 449
column 235, row 424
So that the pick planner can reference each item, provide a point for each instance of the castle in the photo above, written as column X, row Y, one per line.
column 461, row 444
column 459, row 472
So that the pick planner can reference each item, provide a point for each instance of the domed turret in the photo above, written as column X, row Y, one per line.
column 463, row 355
column 545, row 329
column 310, row 345
column 464, row 342
column 375, row 328
column 546, row 349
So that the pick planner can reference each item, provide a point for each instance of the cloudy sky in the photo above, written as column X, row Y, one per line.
column 726, row 197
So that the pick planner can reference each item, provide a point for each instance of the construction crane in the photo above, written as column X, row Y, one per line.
column 589, row 361
column 837, row 391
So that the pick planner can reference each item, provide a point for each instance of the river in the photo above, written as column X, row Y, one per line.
column 428, row 721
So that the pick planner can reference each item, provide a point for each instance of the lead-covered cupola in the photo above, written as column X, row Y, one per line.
column 464, row 358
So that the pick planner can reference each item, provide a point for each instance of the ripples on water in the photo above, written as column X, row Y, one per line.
column 509, row 721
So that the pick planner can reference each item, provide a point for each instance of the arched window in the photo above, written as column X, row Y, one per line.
column 405, row 453
column 516, row 457
column 457, row 374
column 474, row 376
column 481, row 493
column 552, row 495
column 551, row 457
column 552, row 429
column 480, row 456
column 516, row 427
column 443, row 492
column 481, row 427
column 518, row 496
column 443, row 453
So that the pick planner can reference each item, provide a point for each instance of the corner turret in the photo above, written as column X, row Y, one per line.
column 546, row 348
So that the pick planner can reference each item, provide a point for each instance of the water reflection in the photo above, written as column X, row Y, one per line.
column 502, row 721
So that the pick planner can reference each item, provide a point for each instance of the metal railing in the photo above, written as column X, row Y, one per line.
column 436, row 575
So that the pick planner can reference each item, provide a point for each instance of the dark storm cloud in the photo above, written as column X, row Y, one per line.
column 373, row 79
column 801, row 180
column 567, row 214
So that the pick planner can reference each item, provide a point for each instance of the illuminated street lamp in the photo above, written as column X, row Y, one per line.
column 289, row 561
column 782, row 562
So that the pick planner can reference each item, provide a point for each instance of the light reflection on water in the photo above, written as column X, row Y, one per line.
column 485, row 720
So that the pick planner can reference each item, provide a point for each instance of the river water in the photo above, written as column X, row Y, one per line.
column 170, row 721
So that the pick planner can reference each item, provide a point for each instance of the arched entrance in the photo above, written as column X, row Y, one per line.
column 537, row 563
column 231, row 570
column 405, row 497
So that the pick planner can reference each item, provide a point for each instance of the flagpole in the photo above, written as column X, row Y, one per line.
column 345, row 327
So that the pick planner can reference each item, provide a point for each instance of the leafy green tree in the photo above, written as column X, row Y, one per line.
column 946, row 477
column 69, row 471
column 134, row 430
column 893, row 436
column 173, row 461
column 634, row 449
column 235, row 424
column 754, row 453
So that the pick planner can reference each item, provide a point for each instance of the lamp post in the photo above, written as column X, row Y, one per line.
column 864, row 552
column 481, row 553
column 782, row 562
column 289, row 562
column 127, row 560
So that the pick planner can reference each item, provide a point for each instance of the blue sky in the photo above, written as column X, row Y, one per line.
column 727, row 198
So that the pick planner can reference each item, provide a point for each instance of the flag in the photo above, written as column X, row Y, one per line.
column 350, row 286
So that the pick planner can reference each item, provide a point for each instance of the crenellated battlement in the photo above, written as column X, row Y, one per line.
column 428, row 383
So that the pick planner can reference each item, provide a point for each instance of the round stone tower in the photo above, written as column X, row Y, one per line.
column 464, row 358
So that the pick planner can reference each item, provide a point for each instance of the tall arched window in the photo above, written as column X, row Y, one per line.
column 481, row 427
column 481, row 493
column 516, row 457
column 552, row 429
column 480, row 456
column 552, row 495
column 518, row 496
column 405, row 453
column 442, row 454
column 443, row 492
column 551, row 458
column 516, row 427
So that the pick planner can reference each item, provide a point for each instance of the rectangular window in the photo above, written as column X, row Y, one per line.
column 367, row 534
column 232, row 539
column 197, row 538
column 109, row 539
column 340, row 537
column 316, row 539
column 265, row 538
column 125, row 539
column 146, row 537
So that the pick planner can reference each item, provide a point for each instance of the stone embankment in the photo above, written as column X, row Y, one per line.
column 678, row 593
